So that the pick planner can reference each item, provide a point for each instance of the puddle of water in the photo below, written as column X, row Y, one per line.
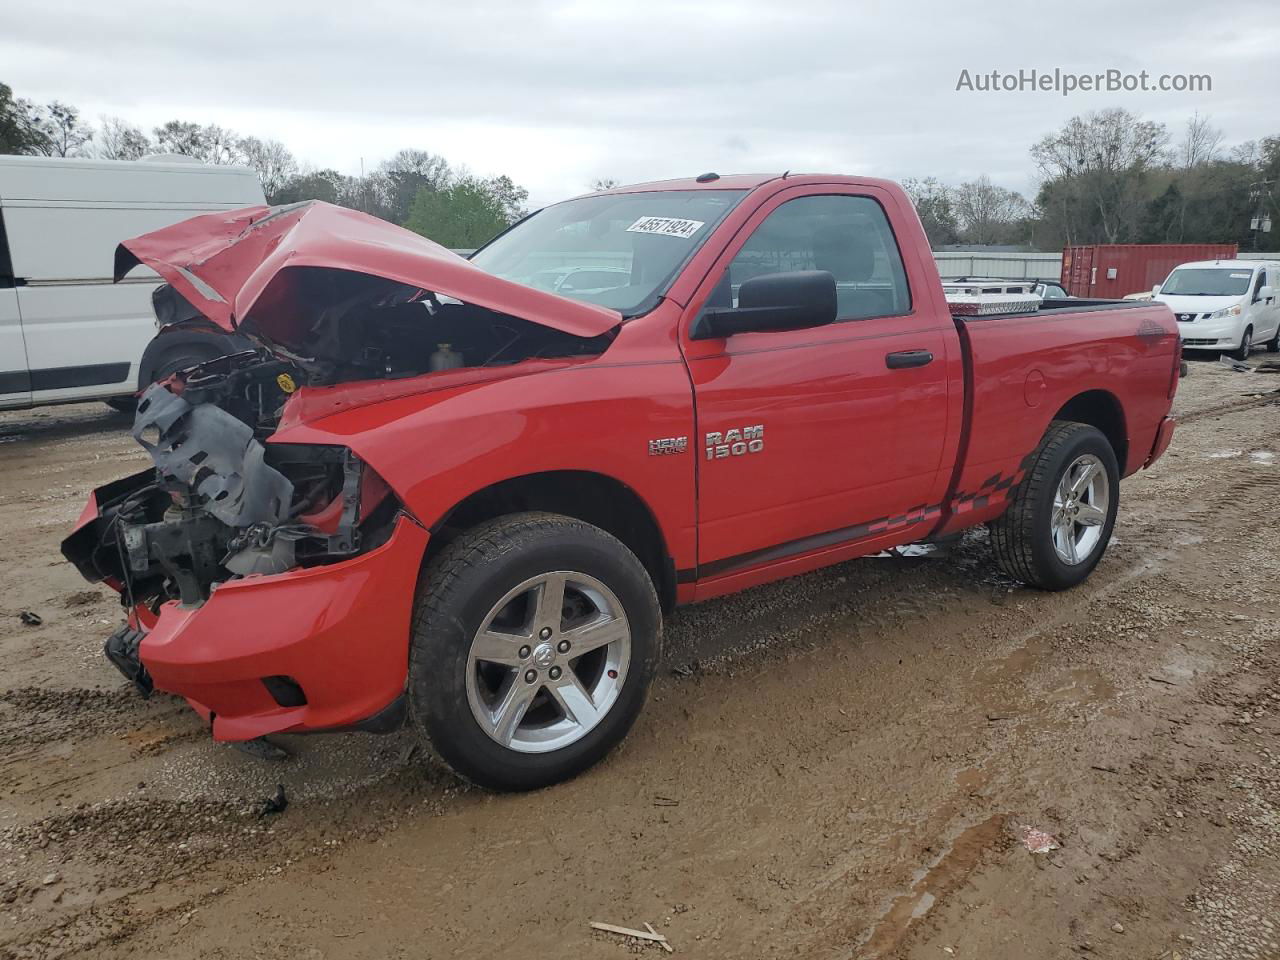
column 930, row 885
column 1263, row 456
column 1223, row 454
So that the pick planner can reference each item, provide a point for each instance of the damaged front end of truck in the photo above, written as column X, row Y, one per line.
column 270, row 580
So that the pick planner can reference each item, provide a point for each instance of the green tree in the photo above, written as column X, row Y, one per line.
column 465, row 214
column 396, row 183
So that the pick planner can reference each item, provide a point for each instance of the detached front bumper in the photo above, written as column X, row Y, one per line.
column 312, row 649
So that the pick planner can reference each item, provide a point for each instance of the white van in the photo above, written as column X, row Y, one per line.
column 66, row 331
column 1225, row 305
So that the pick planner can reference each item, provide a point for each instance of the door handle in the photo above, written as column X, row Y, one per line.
column 907, row 358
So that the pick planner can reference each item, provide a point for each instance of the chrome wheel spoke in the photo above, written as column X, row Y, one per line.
column 548, row 612
column 573, row 699
column 494, row 647
column 1085, row 477
column 1090, row 516
column 511, row 709
column 1069, row 542
column 594, row 635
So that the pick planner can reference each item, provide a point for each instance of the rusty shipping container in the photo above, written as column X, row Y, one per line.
column 1115, row 270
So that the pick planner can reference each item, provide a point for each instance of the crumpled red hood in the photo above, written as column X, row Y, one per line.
column 223, row 263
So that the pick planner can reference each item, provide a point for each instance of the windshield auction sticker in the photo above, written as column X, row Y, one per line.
column 667, row 226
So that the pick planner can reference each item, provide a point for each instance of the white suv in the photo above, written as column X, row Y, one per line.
column 1225, row 305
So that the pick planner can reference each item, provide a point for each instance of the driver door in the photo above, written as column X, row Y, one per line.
column 813, row 440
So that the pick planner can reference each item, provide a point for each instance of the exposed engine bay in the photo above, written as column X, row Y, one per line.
column 222, row 502
column 360, row 327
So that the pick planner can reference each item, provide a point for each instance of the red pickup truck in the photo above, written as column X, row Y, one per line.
column 461, row 493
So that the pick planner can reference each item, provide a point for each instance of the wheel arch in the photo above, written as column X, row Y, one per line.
column 594, row 498
column 1103, row 410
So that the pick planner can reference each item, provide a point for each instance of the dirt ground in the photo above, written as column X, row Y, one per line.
column 841, row 765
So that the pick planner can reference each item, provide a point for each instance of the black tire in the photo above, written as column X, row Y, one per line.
column 455, row 594
column 1246, row 345
column 1023, row 538
column 1273, row 345
column 179, row 357
column 122, row 404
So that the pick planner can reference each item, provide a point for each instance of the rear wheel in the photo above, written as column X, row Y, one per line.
column 1273, row 345
column 1246, row 345
column 1059, row 523
column 534, row 642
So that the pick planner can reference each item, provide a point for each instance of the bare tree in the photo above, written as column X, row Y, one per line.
column 935, row 205
column 1201, row 144
column 221, row 145
column 1102, row 159
column 119, row 140
column 276, row 166
column 986, row 211
column 65, row 133
column 181, row 137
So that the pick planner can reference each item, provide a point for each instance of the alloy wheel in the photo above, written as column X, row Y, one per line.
column 1080, row 505
column 548, row 662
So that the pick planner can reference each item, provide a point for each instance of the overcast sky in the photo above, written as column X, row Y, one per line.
column 556, row 94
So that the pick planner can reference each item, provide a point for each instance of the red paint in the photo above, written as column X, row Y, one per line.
column 856, row 458
column 1086, row 270
column 1164, row 436
column 339, row 630
column 240, row 267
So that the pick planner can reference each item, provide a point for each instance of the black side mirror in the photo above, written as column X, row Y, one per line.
column 773, row 301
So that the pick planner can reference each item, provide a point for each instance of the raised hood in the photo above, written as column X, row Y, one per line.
column 245, row 269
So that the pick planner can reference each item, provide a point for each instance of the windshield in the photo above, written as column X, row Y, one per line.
column 619, row 250
column 1207, row 282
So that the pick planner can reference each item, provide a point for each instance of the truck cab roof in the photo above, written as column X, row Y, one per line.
column 747, row 181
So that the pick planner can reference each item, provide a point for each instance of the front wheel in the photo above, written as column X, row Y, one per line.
column 1246, row 345
column 1059, row 522
column 534, row 642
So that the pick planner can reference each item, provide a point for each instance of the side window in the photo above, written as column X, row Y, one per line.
column 848, row 236
column 6, row 262
column 1259, row 284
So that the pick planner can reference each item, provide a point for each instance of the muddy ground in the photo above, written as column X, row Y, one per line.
column 841, row 765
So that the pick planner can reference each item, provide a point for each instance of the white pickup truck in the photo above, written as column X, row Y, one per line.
column 68, row 333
